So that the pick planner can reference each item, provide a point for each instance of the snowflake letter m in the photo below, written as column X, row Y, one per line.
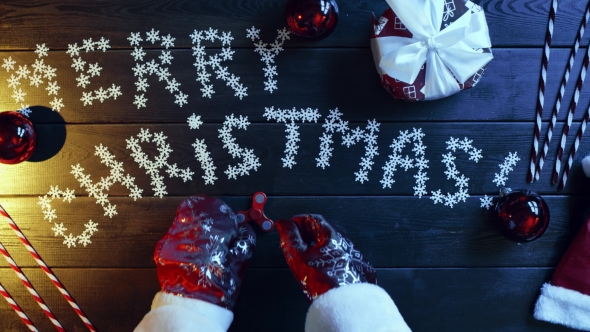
column 334, row 123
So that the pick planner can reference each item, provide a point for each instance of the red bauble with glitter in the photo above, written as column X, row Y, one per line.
column 17, row 138
column 311, row 18
column 523, row 215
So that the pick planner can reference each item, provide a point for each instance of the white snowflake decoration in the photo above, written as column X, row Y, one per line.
column 462, row 182
column 153, row 167
column 42, row 73
column 334, row 123
column 267, row 54
column 486, row 202
column 214, row 61
column 201, row 153
column 396, row 159
column 154, row 67
column 289, row 117
column 94, row 69
column 116, row 175
column 249, row 160
column 59, row 229
column 506, row 167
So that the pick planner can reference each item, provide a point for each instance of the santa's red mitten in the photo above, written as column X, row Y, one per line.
column 336, row 277
column 566, row 299
column 205, row 253
column 320, row 257
column 200, row 264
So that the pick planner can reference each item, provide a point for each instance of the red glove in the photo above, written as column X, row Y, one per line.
column 205, row 253
column 320, row 257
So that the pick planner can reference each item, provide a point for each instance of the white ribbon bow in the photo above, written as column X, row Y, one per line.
column 451, row 54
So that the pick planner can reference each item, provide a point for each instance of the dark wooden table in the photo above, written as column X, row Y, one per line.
column 446, row 268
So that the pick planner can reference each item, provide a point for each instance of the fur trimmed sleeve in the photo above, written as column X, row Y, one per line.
column 180, row 314
column 356, row 307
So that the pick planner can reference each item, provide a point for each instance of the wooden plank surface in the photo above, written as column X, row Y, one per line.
column 500, row 299
column 450, row 265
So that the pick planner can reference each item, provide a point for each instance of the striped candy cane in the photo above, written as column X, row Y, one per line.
column 564, row 80
column 30, row 288
column 46, row 269
column 541, row 99
column 573, row 150
column 570, row 117
column 17, row 309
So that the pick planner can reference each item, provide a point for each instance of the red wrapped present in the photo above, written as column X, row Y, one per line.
column 430, row 49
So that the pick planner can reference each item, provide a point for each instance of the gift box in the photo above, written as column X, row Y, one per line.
column 430, row 49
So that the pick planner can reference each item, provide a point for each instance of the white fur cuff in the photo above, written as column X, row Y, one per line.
column 563, row 306
column 181, row 314
column 356, row 307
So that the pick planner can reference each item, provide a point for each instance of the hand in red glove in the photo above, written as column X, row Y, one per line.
column 205, row 253
column 320, row 257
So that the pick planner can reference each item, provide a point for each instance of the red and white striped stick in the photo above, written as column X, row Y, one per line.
column 30, row 288
column 570, row 116
column 564, row 81
column 573, row 150
column 541, row 98
column 17, row 309
column 46, row 269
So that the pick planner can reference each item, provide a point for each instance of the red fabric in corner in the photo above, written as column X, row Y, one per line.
column 573, row 271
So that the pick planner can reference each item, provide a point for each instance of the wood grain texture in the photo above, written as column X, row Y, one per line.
column 25, row 23
column 390, row 231
column 489, row 299
column 305, row 178
column 447, row 269
column 322, row 79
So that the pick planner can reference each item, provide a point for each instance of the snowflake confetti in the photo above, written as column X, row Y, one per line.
column 59, row 229
column 289, row 117
column 267, row 54
column 154, row 67
column 159, row 162
column 92, row 70
column 506, row 167
column 452, row 173
column 214, row 61
column 486, row 202
column 333, row 124
column 249, row 160
column 397, row 159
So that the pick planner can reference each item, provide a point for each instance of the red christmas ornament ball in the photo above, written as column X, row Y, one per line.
column 17, row 138
column 311, row 18
column 523, row 215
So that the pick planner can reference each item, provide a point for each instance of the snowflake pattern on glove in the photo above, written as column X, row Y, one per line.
column 396, row 159
column 59, row 229
column 289, row 117
column 101, row 94
column 333, row 124
column 41, row 73
column 152, row 167
column 214, row 61
column 249, row 160
column 461, row 181
column 267, row 54
column 154, row 67
column 201, row 153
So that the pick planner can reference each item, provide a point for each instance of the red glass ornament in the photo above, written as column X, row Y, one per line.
column 524, row 215
column 17, row 138
column 311, row 18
